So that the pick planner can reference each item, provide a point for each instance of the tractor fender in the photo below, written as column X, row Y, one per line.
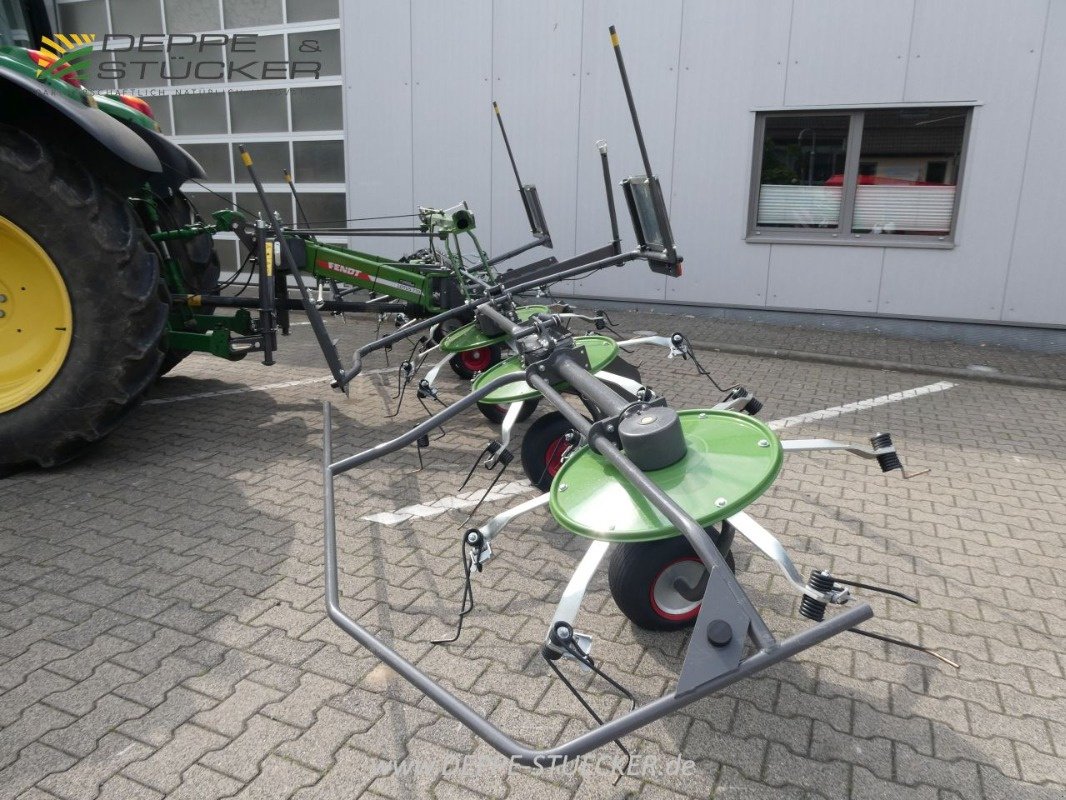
column 97, row 138
column 177, row 165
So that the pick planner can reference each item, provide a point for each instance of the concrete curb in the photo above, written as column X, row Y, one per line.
column 874, row 363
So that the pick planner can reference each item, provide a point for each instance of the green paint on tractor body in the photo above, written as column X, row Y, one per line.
column 429, row 287
column 19, row 59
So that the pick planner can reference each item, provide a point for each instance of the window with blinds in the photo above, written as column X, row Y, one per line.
column 865, row 176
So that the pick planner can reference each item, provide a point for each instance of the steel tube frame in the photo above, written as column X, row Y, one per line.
column 518, row 752
column 537, row 242
column 226, row 301
column 770, row 651
column 589, row 387
column 444, row 316
column 356, row 232
column 580, row 380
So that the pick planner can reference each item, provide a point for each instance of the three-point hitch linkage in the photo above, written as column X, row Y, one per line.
column 447, row 273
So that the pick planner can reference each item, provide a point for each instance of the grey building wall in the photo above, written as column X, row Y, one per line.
column 407, row 99
column 420, row 76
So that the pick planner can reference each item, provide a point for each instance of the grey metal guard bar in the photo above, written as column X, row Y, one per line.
column 707, row 668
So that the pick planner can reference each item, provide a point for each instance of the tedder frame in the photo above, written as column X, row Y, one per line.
column 644, row 475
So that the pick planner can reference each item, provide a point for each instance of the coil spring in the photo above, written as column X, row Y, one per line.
column 753, row 407
column 820, row 581
column 888, row 461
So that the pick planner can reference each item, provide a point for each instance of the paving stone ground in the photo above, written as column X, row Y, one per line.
column 162, row 630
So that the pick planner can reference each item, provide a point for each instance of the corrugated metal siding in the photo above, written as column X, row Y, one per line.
column 419, row 111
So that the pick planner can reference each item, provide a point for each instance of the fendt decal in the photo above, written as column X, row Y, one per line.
column 358, row 274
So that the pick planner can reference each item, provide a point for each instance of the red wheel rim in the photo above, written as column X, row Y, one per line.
column 673, row 617
column 476, row 360
column 553, row 456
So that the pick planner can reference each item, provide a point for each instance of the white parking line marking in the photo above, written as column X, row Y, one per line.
column 264, row 388
column 464, row 500
column 861, row 405
column 400, row 515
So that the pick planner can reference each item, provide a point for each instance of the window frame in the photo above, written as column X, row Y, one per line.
column 842, row 234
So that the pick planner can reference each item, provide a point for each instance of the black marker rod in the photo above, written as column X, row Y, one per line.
column 629, row 99
column 601, row 145
column 507, row 143
column 296, row 197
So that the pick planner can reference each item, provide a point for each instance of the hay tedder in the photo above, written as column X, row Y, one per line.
column 108, row 278
column 666, row 489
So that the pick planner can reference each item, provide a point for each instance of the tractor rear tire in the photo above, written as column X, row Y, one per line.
column 200, row 267
column 60, row 391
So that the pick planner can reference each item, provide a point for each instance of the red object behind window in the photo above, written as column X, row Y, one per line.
column 878, row 180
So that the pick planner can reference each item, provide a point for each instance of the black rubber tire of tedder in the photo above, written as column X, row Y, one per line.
column 542, row 446
column 469, row 363
column 119, row 315
column 633, row 571
column 495, row 414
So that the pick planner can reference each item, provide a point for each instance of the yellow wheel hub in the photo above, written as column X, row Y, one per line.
column 35, row 318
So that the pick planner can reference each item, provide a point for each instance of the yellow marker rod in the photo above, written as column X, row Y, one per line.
column 296, row 196
column 614, row 37
column 495, row 108
column 246, row 157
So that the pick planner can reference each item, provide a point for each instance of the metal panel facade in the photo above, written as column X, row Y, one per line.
column 451, row 65
column 651, row 57
column 377, row 119
column 1035, row 283
column 993, row 56
column 700, row 70
column 722, row 78
column 536, row 60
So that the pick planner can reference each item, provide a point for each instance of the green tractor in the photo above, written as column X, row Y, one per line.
column 82, row 308
column 109, row 277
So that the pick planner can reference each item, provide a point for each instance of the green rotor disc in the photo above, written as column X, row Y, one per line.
column 470, row 337
column 601, row 352
column 732, row 459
